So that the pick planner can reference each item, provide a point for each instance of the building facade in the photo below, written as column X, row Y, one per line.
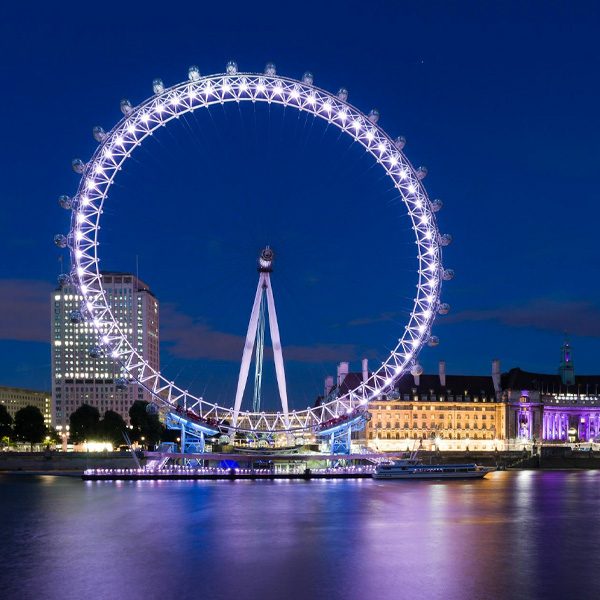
column 548, row 408
column 77, row 378
column 17, row 398
column 459, row 412
column 445, row 412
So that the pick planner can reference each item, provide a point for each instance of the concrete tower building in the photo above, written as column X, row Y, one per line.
column 76, row 377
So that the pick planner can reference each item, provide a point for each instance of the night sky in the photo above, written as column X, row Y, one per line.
column 498, row 100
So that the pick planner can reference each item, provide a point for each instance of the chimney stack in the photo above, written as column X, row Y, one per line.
column 442, row 371
column 342, row 371
column 365, row 369
column 496, row 375
column 328, row 384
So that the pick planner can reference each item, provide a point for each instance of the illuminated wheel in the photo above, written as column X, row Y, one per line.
column 198, row 92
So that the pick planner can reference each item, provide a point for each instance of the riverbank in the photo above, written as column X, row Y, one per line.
column 76, row 463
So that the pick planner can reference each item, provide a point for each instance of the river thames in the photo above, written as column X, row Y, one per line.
column 527, row 534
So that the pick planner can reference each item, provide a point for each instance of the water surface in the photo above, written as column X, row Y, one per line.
column 514, row 535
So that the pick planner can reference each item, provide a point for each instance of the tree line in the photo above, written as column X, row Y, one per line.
column 85, row 424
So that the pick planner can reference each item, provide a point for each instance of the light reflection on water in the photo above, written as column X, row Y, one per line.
column 513, row 535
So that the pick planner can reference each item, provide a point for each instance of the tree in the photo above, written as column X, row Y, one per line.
column 84, row 423
column 144, row 425
column 112, row 427
column 6, row 422
column 29, row 425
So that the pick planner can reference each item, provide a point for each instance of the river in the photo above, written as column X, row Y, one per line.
column 522, row 534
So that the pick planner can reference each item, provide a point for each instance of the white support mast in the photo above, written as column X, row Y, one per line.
column 255, row 337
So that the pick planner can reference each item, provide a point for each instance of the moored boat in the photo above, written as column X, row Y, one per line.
column 414, row 468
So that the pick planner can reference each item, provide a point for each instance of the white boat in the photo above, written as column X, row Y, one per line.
column 414, row 468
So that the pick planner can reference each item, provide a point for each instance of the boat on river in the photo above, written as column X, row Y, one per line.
column 414, row 468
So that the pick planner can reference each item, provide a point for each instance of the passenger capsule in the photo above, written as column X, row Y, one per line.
column 75, row 316
column 126, row 107
column 433, row 341
column 445, row 239
column 193, row 73
column 374, row 116
column 421, row 172
column 448, row 274
column 95, row 352
column 60, row 240
column 63, row 280
column 231, row 68
column 400, row 142
column 65, row 202
column 158, row 87
column 121, row 383
column 78, row 165
column 151, row 409
column 308, row 78
column 436, row 205
column 343, row 94
column 98, row 133
column 444, row 308
column 270, row 69
column 416, row 370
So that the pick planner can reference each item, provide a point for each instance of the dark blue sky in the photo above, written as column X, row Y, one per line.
column 499, row 100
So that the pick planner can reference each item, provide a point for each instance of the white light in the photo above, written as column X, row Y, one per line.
column 105, row 339
column 403, row 174
column 428, row 235
column 278, row 90
column 415, row 343
column 80, row 271
column 393, row 161
column 131, row 129
column 421, row 328
column 145, row 118
column 89, row 306
column 260, row 88
column 80, row 217
column 243, row 86
column 175, row 101
column 294, row 94
column 427, row 313
column 78, row 253
column 311, row 100
column 370, row 134
column 381, row 147
column 226, row 87
column 424, row 220
column 84, row 288
column 356, row 125
column 98, row 170
column 192, row 94
column 342, row 115
column 327, row 107
column 120, row 141
column 419, row 204
column 91, row 184
column 159, row 108
column 78, row 235
column 412, row 189
column 108, row 153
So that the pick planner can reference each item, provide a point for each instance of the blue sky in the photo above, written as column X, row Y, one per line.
column 499, row 100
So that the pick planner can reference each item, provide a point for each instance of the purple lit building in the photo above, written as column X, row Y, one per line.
column 552, row 408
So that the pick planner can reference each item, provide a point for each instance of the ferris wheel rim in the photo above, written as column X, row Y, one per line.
column 139, row 122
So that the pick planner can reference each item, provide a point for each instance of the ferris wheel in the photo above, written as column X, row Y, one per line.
column 116, row 146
